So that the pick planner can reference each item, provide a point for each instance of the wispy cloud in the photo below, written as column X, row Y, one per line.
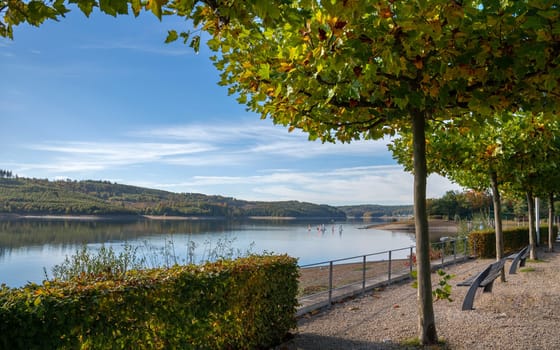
column 76, row 109
column 214, row 132
column 243, row 161
column 263, row 139
column 200, row 145
column 83, row 156
column 374, row 184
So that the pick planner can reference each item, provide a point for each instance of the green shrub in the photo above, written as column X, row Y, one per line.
column 245, row 303
column 483, row 242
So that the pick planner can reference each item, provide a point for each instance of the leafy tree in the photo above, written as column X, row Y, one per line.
column 455, row 204
column 471, row 156
column 449, row 205
column 6, row 174
column 355, row 69
column 536, row 167
column 515, row 150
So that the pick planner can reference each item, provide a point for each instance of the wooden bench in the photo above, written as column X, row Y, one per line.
column 484, row 279
column 518, row 258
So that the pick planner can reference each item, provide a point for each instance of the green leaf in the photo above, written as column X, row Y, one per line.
column 171, row 36
column 86, row 6
column 155, row 7
column 107, row 7
column 264, row 71
column 195, row 43
column 185, row 36
column 59, row 6
column 136, row 6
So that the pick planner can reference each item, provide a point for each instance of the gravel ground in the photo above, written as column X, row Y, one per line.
column 522, row 313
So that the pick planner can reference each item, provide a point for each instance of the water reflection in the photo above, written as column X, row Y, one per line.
column 28, row 246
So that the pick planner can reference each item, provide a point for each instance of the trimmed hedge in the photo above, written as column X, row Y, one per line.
column 483, row 242
column 247, row 303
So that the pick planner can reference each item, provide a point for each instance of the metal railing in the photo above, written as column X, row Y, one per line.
column 324, row 283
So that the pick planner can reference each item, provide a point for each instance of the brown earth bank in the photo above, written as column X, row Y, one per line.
column 521, row 313
column 437, row 228
column 408, row 225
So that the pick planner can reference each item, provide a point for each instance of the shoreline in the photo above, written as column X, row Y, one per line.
column 435, row 225
column 67, row 217
column 109, row 217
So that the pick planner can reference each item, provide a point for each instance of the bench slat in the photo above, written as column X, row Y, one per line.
column 485, row 279
column 469, row 297
column 518, row 259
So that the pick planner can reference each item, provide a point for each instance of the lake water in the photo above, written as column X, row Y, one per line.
column 30, row 247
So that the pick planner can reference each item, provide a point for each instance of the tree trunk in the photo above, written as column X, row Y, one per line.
column 532, row 238
column 498, row 221
column 426, row 319
column 550, row 221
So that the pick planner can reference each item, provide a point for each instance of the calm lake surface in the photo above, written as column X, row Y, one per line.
column 28, row 248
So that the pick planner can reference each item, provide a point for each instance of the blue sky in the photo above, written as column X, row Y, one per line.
column 106, row 99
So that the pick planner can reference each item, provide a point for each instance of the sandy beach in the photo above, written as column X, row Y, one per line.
column 407, row 225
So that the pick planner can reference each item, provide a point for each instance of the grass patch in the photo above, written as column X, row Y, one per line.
column 527, row 269
column 313, row 289
column 361, row 269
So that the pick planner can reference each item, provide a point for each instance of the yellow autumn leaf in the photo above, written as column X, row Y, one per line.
column 286, row 67
column 434, row 90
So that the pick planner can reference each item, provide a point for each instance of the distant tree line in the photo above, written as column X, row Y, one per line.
column 467, row 204
column 377, row 211
column 7, row 174
column 41, row 196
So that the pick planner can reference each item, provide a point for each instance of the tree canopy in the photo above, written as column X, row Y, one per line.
column 344, row 70
column 517, row 151
column 366, row 63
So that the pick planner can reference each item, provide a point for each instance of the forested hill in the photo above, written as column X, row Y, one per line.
column 43, row 197
column 375, row 211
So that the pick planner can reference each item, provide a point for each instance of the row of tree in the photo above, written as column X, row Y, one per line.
column 39, row 196
column 470, row 203
column 368, row 211
column 514, row 153
column 6, row 173
column 453, row 73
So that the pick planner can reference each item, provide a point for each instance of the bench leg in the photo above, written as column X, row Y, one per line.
column 469, row 298
column 488, row 287
column 513, row 267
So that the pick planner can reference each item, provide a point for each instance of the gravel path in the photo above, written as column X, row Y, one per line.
column 522, row 313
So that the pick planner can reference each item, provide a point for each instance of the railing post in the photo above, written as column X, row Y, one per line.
column 410, row 261
column 389, row 272
column 364, row 275
column 330, row 281
column 454, row 251
column 442, row 249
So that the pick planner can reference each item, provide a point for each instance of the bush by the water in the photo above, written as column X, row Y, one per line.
column 483, row 243
column 245, row 303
